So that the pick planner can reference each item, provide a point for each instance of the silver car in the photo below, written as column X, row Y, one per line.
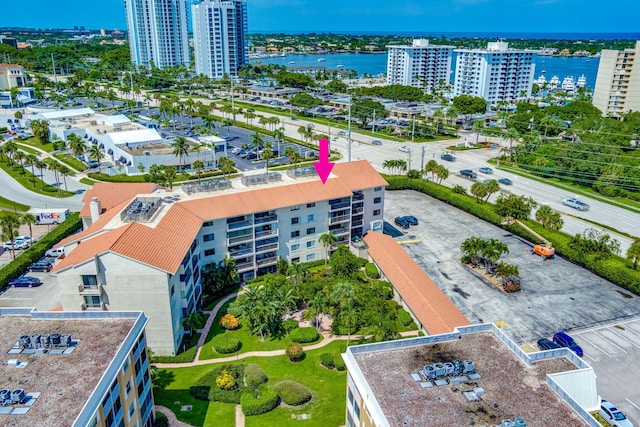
column 575, row 204
column 613, row 416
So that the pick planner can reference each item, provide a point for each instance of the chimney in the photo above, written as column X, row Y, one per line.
column 95, row 208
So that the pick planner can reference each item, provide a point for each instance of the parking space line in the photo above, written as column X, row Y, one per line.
column 624, row 338
column 613, row 345
column 595, row 346
column 638, row 407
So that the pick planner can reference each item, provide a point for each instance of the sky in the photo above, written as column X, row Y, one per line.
column 423, row 16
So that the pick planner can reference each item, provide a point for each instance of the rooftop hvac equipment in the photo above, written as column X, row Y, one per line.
column 479, row 391
column 5, row 395
column 17, row 396
column 45, row 340
column 55, row 339
column 458, row 366
column 440, row 370
column 23, row 341
column 65, row 340
column 35, row 340
column 429, row 372
column 469, row 367
column 519, row 422
column 449, row 367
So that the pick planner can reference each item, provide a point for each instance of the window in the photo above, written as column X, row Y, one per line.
column 377, row 189
column 92, row 301
column 311, row 243
column 207, row 223
column 311, row 230
column 295, row 208
column 207, row 237
column 295, row 233
column 89, row 279
column 377, row 199
column 311, row 257
column 295, row 220
column 376, row 212
column 296, row 259
column 127, row 388
column 172, row 289
column 311, row 205
column 295, row 247
column 132, row 409
column 311, row 217
column 209, row 252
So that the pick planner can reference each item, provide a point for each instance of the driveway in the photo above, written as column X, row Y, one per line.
column 555, row 294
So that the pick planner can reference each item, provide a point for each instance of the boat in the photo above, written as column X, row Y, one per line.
column 544, row 70
column 582, row 81
column 292, row 62
column 555, row 81
column 541, row 80
column 339, row 66
column 569, row 84
column 321, row 59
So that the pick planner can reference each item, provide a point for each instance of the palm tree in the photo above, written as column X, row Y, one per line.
column 451, row 115
column 263, row 121
column 633, row 253
column 327, row 240
column 266, row 155
column 20, row 156
column 478, row 126
column 42, row 165
column 226, row 123
column 28, row 220
column 492, row 251
column 298, row 271
column 209, row 122
column 491, row 187
column 198, row 165
column 170, row 174
column 511, row 135
column 10, row 148
column 257, row 140
column 64, row 171
column 319, row 304
column 549, row 218
column 292, row 154
column 442, row 173
column 10, row 225
column 504, row 271
column 96, row 153
column 76, row 144
column 249, row 115
column 54, row 166
column 349, row 315
column 472, row 248
column 430, row 167
column 180, row 148
column 226, row 165
column 31, row 160
column 437, row 117
column 192, row 321
column 278, row 134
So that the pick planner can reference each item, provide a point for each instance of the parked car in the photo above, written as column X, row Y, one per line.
column 505, row 181
column 402, row 222
column 342, row 133
column 486, row 170
column 17, row 244
column 25, row 282
column 26, row 239
column 404, row 149
column 612, row 415
column 545, row 344
column 41, row 266
column 252, row 156
column 448, row 157
column 376, row 142
column 411, row 219
column 575, row 203
column 564, row 340
column 468, row 173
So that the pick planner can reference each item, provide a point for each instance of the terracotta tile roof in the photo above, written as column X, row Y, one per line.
column 96, row 227
column 436, row 313
column 111, row 194
column 348, row 177
column 5, row 66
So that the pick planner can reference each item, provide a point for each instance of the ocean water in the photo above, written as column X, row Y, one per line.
column 484, row 34
column 376, row 64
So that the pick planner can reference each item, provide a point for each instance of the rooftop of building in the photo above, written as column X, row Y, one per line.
column 64, row 381
column 4, row 66
column 512, row 388
column 164, row 238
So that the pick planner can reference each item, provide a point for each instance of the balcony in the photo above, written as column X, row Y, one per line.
column 239, row 224
column 241, row 252
column 267, row 248
column 338, row 219
column 239, row 239
column 266, row 219
column 267, row 261
column 90, row 289
column 266, row 233
column 245, row 266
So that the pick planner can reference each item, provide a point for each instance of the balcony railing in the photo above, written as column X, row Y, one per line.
column 266, row 248
column 266, row 219
column 90, row 289
column 341, row 218
column 240, row 252
column 239, row 239
column 239, row 224
column 266, row 233
column 245, row 266
column 267, row 261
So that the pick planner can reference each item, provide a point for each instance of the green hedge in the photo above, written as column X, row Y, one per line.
column 340, row 366
column 292, row 393
column 226, row 343
column 259, row 401
column 205, row 387
column 304, row 335
column 404, row 317
column 326, row 360
column 371, row 270
column 161, row 420
column 289, row 325
column 615, row 269
column 19, row 265
column 254, row 375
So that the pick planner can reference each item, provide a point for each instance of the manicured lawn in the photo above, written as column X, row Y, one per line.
column 34, row 142
column 326, row 409
column 87, row 181
column 11, row 205
column 70, row 160
column 25, row 178
column 249, row 342
column 28, row 149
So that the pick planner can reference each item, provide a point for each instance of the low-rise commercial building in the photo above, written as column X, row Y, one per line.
column 74, row 369
column 148, row 252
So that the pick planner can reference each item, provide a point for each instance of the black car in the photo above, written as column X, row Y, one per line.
column 448, row 157
column 41, row 266
column 505, row 181
column 545, row 344
column 402, row 222
column 252, row 156
column 468, row 173
column 412, row 220
column 25, row 282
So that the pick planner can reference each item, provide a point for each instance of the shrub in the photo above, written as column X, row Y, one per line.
column 205, row 388
column 254, row 375
column 340, row 366
column 259, row 401
column 326, row 360
column 225, row 380
column 289, row 325
column 161, row 420
column 404, row 317
column 295, row 352
column 229, row 321
column 304, row 335
column 225, row 344
column 292, row 393
column 459, row 189
column 371, row 270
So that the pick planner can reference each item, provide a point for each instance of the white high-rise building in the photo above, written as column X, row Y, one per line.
column 158, row 32
column 420, row 65
column 220, row 37
column 496, row 73
column 618, row 83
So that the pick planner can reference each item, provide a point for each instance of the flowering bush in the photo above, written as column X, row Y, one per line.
column 229, row 321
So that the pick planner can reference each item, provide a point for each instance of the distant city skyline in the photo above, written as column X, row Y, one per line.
column 434, row 16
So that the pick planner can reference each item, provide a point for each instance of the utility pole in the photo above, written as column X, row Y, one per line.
column 413, row 128
column 422, row 162
column 409, row 165
column 349, row 133
column 373, row 123
column 53, row 67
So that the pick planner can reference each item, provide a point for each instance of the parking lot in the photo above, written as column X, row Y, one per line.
column 44, row 297
column 556, row 295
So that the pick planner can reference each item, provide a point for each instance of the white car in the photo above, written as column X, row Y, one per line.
column 404, row 149
column 575, row 204
column 17, row 244
column 26, row 239
column 613, row 416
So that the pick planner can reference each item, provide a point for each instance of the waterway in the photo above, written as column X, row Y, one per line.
column 376, row 64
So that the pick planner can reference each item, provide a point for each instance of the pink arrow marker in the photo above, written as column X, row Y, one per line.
column 323, row 165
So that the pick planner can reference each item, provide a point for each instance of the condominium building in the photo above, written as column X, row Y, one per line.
column 496, row 73
column 158, row 32
column 618, row 83
column 74, row 369
column 220, row 37
column 420, row 65
column 147, row 251
column 474, row 375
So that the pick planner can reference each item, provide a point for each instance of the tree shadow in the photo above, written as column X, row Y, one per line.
column 163, row 379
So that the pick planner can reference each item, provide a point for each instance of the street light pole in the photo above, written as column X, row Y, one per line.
column 349, row 133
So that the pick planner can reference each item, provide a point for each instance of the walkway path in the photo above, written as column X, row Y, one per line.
column 173, row 421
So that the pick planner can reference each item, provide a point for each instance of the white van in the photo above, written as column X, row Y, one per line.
column 55, row 253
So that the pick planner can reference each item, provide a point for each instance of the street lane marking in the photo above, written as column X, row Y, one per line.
column 595, row 346
column 638, row 407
